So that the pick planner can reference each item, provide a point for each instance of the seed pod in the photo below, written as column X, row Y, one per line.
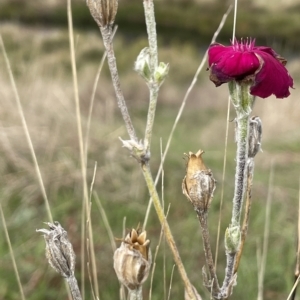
column 255, row 134
column 59, row 250
column 132, row 260
column 103, row 11
column 198, row 185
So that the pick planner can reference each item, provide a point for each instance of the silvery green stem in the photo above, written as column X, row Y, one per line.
column 242, row 101
column 74, row 289
column 153, row 85
column 153, row 88
column 151, row 30
column 230, row 261
column 135, row 294
column 107, row 36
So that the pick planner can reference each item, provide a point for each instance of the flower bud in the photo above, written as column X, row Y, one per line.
column 132, row 260
column 255, row 134
column 198, row 185
column 59, row 250
column 103, row 11
column 142, row 64
column 232, row 239
column 161, row 73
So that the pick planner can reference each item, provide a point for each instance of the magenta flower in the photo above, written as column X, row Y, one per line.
column 244, row 62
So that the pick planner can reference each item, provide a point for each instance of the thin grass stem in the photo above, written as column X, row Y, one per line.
column 261, row 274
column 106, row 222
column 94, row 284
column 223, row 183
column 171, row 281
column 11, row 252
column 154, row 261
column 79, row 130
column 26, row 131
column 297, row 268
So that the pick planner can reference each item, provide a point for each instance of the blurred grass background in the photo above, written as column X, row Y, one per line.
column 36, row 38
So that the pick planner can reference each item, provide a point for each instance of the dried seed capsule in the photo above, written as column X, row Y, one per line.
column 103, row 11
column 199, row 184
column 59, row 250
column 255, row 134
column 132, row 260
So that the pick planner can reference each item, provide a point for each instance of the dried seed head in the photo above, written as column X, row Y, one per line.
column 103, row 11
column 255, row 134
column 59, row 250
column 132, row 260
column 198, row 185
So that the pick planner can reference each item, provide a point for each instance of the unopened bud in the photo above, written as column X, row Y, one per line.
column 142, row 64
column 255, row 134
column 59, row 250
column 199, row 184
column 232, row 239
column 161, row 73
column 103, row 11
column 132, row 260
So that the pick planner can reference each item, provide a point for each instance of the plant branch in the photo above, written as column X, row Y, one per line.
column 167, row 231
column 214, row 284
column 74, row 289
column 107, row 35
column 136, row 294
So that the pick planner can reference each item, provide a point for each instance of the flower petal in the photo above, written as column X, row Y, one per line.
column 273, row 78
column 227, row 63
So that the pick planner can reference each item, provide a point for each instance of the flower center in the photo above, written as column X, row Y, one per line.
column 243, row 45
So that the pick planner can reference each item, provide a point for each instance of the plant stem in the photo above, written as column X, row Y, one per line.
column 135, row 294
column 72, row 282
column 250, row 169
column 229, row 272
column 153, row 88
column 111, row 59
column 208, row 253
column 151, row 30
column 242, row 101
column 168, row 234
column 153, row 85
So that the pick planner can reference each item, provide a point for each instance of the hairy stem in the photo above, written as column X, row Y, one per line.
column 208, row 253
column 135, row 294
column 153, row 85
column 250, row 169
column 242, row 101
column 151, row 31
column 229, row 272
column 111, row 59
column 167, row 230
column 151, row 115
column 72, row 282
